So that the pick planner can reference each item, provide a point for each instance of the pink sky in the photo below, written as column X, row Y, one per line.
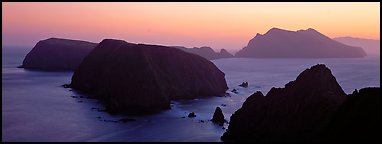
column 218, row 25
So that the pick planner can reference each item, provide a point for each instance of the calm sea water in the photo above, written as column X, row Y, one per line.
column 36, row 108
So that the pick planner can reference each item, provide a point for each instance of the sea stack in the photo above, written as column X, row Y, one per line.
column 139, row 78
column 56, row 54
column 218, row 116
column 279, row 43
column 296, row 113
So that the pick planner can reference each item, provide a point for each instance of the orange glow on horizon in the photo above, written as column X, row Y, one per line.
column 218, row 25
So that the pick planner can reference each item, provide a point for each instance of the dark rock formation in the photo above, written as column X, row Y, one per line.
column 244, row 84
column 278, row 43
column 297, row 112
column 234, row 91
column 191, row 114
column 206, row 52
column 218, row 116
column 358, row 119
column 56, row 54
column 139, row 78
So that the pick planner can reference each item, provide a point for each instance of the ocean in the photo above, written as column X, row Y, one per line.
column 35, row 107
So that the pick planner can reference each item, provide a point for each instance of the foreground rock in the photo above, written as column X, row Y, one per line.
column 191, row 114
column 56, row 54
column 358, row 119
column 218, row 116
column 140, row 78
column 206, row 52
column 297, row 112
column 278, row 43
column 244, row 84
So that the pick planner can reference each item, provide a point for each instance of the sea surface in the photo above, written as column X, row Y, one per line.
column 35, row 107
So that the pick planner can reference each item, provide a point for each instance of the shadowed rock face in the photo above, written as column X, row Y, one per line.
column 278, row 43
column 297, row 112
column 135, row 78
column 218, row 116
column 358, row 119
column 206, row 52
column 56, row 54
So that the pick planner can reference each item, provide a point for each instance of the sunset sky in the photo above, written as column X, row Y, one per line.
column 218, row 25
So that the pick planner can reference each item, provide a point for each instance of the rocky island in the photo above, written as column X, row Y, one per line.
column 140, row 78
column 206, row 52
column 56, row 54
column 279, row 43
column 298, row 112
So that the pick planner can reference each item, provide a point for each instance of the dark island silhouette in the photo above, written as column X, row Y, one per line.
column 57, row 54
column 358, row 119
column 206, row 52
column 312, row 108
column 370, row 46
column 279, row 43
column 141, row 78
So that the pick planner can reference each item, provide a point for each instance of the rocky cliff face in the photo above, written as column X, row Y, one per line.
column 56, row 54
column 278, row 43
column 135, row 78
column 358, row 119
column 297, row 112
column 206, row 52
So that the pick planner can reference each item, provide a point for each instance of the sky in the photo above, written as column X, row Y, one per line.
column 227, row 25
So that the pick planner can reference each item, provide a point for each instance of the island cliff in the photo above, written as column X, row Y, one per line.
column 56, row 54
column 139, row 78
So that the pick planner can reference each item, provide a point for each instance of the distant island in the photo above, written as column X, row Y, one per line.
column 142, row 78
column 279, row 43
column 57, row 54
column 206, row 52
column 371, row 47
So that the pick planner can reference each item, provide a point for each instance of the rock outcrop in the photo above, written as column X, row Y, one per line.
column 244, row 84
column 224, row 54
column 297, row 112
column 206, row 52
column 55, row 54
column 139, row 78
column 191, row 114
column 358, row 119
column 218, row 116
column 278, row 43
